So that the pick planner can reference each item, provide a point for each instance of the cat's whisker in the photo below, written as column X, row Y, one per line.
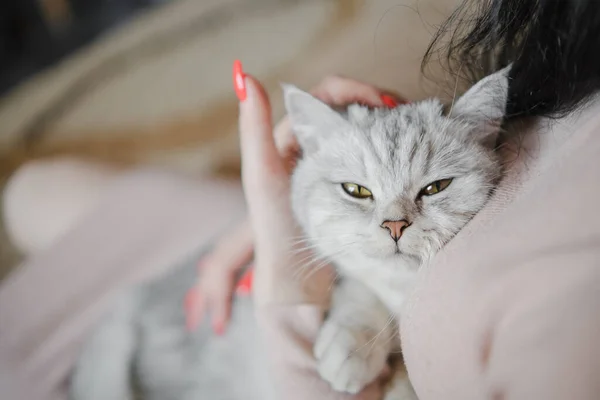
column 373, row 340
column 313, row 237
column 334, row 281
column 311, row 247
column 395, row 335
column 312, row 259
column 299, row 250
column 315, row 269
column 305, row 273
column 313, row 241
column 320, row 239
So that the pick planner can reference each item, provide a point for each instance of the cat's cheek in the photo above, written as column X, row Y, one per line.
column 408, row 243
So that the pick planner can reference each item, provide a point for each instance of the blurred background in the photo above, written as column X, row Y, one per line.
column 132, row 82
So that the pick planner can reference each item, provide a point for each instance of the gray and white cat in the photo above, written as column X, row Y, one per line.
column 377, row 192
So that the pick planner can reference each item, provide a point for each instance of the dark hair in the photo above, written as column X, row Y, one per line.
column 554, row 46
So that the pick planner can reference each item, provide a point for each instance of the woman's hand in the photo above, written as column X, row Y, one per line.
column 218, row 274
column 268, row 160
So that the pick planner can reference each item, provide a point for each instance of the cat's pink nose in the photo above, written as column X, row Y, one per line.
column 395, row 227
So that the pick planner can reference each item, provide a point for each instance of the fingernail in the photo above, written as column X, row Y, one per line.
column 389, row 101
column 239, row 82
column 219, row 328
column 244, row 285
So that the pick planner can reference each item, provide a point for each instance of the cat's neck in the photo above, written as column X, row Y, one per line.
column 390, row 279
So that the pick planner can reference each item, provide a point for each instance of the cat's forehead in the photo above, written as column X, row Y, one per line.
column 402, row 144
column 419, row 119
column 402, row 135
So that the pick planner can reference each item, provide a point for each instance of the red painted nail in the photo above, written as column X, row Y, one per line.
column 244, row 285
column 389, row 101
column 239, row 82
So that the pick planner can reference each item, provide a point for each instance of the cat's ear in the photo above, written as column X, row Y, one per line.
column 310, row 118
column 484, row 106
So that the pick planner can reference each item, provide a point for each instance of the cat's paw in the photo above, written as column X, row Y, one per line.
column 350, row 358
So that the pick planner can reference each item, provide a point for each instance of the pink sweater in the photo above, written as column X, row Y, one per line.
column 509, row 309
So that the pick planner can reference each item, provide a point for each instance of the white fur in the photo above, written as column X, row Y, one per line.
column 353, row 346
column 394, row 153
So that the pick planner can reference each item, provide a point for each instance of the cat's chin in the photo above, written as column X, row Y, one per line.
column 388, row 254
column 398, row 254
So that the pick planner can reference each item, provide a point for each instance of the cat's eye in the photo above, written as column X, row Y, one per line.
column 435, row 187
column 357, row 191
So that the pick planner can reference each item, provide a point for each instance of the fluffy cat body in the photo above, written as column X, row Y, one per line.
column 395, row 154
column 142, row 350
column 418, row 168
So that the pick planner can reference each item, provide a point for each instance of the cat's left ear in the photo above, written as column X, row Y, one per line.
column 484, row 106
column 311, row 119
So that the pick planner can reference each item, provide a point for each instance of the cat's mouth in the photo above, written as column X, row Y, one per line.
column 392, row 252
column 398, row 252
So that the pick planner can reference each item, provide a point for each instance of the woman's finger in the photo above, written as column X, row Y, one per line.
column 259, row 154
column 220, row 308
column 340, row 91
column 284, row 140
column 232, row 252
column 195, row 307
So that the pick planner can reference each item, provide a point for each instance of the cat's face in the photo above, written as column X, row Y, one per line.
column 388, row 184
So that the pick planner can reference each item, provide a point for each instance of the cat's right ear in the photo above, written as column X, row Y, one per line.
column 310, row 118
column 484, row 106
